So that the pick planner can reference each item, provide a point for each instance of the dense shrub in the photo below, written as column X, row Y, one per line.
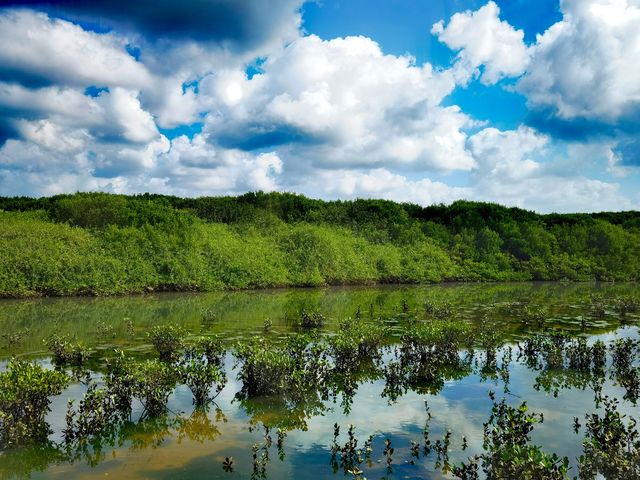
column 25, row 391
column 96, row 243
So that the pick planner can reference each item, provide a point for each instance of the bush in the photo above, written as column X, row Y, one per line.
column 152, row 383
column 25, row 391
column 311, row 320
column 65, row 352
column 168, row 341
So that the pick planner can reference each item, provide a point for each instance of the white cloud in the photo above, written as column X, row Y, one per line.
column 521, row 168
column 181, row 167
column 380, row 183
column 482, row 39
column 586, row 65
column 121, row 109
column 53, row 136
column 41, row 50
column 342, row 102
column 115, row 115
column 507, row 154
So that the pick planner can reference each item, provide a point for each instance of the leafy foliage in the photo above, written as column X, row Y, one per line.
column 66, row 352
column 96, row 243
column 611, row 446
column 168, row 341
column 25, row 389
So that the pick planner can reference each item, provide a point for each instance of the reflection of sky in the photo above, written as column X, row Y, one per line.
column 462, row 407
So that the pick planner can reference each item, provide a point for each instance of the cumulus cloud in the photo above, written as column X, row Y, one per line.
column 39, row 51
column 381, row 183
column 181, row 166
column 482, row 39
column 521, row 168
column 339, row 118
column 585, row 66
column 115, row 115
column 343, row 103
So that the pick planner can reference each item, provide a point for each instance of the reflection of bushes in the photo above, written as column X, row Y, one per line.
column 508, row 451
column 428, row 355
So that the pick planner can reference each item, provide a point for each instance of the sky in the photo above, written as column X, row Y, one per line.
column 534, row 104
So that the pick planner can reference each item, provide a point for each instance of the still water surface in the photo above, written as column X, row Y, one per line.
column 188, row 444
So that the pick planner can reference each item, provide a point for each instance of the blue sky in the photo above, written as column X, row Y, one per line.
column 532, row 104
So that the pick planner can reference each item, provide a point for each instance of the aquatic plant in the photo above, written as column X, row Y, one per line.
column 209, row 316
column 201, row 370
column 597, row 306
column 227, row 464
column 167, row 340
column 152, row 383
column 388, row 454
column 119, row 381
column 96, row 416
column 508, row 451
column 355, row 342
column 105, row 330
column 438, row 310
column 626, row 304
column 611, row 447
column 65, row 351
column 428, row 355
column 211, row 348
column 281, row 435
column 349, row 457
column 26, row 389
column 293, row 368
column 267, row 325
column 311, row 320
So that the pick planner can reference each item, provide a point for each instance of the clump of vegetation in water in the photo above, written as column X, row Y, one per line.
column 202, row 370
column 625, row 353
column 152, row 383
column 428, row 355
column 357, row 341
column 268, row 369
column 439, row 310
column 598, row 306
column 267, row 325
column 25, row 391
column 545, row 350
column 626, row 304
column 97, row 413
column 168, row 341
column 611, row 447
column 65, row 351
column 311, row 320
column 105, row 330
column 119, row 381
column 508, row 451
column 209, row 316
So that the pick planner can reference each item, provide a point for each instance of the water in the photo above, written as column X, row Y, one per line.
column 193, row 444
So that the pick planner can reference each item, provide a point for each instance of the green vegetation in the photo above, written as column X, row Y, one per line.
column 65, row 352
column 99, row 244
column 508, row 451
column 282, row 381
column 25, row 391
